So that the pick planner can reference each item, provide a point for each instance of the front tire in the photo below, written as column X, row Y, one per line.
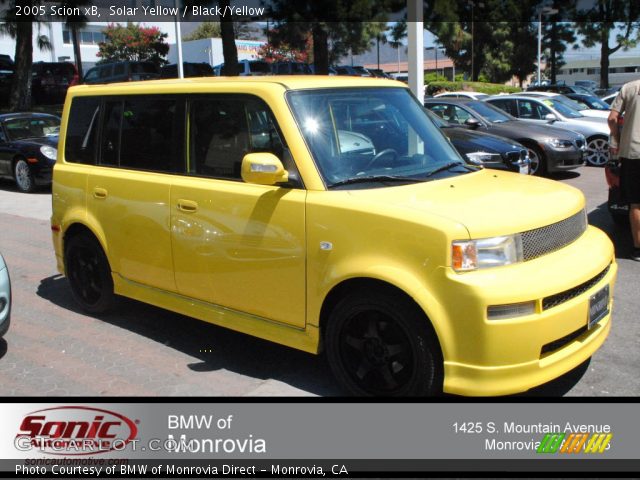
column 380, row 344
column 597, row 154
column 89, row 274
column 538, row 165
column 23, row 176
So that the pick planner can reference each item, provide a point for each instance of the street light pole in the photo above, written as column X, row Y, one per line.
column 547, row 10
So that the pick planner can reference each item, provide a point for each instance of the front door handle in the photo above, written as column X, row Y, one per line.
column 100, row 192
column 187, row 206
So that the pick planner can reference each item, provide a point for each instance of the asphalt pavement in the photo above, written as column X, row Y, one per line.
column 53, row 348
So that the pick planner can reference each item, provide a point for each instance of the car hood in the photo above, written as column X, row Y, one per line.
column 51, row 140
column 488, row 202
column 472, row 141
column 522, row 129
column 595, row 113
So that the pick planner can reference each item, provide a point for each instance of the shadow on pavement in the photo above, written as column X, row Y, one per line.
column 568, row 175
column 10, row 186
column 214, row 347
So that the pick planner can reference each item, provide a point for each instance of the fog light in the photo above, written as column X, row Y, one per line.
column 512, row 310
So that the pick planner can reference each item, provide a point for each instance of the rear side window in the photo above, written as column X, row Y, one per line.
column 82, row 130
column 143, row 133
column 224, row 129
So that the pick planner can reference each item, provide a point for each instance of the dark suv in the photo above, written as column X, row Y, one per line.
column 189, row 69
column 122, row 72
column 50, row 81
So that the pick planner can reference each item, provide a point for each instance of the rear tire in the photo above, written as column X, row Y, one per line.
column 89, row 274
column 380, row 344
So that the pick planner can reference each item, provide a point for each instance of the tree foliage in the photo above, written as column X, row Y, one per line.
column 597, row 23
column 479, row 41
column 133, row 42
column 204, row 30
column 331, row 40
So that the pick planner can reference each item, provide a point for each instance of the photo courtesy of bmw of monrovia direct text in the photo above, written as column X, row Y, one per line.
column 314, row 439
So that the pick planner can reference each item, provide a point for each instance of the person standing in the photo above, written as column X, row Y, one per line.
column 626, row 144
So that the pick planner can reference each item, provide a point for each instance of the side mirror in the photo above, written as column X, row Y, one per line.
column 472, row 122
column 550, row 117
column 263, row 168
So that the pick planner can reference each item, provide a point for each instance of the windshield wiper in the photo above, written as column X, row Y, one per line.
column 374, row 178
column 449, row 165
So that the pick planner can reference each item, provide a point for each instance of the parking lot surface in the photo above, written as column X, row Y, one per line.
column 53, row 348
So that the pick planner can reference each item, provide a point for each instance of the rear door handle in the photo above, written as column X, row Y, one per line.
column 188, row 206
column 99, row 192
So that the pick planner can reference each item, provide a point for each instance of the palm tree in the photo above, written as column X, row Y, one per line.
column 22, row 32
column 75, row 23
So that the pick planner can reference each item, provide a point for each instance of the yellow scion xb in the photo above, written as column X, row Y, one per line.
column 331, row 215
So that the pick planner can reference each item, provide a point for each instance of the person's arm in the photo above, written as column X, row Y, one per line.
column 617, row 107
column 614, row 139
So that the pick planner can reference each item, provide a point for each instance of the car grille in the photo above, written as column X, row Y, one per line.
column 542, row 241
column 561, row 342
column 559, row 298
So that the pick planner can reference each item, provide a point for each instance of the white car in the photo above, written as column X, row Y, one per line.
column 5, row 297
column 548, row 110
column 462, row 94
column 587, row 112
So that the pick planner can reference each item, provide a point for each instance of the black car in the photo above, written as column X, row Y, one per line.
column 485, row 149
column 28, row 148
column 189, row 69
column 590, row 101
column 559, row 88
column 550, row 149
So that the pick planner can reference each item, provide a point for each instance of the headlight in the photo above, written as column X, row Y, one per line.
column 480, row 157
column 49, row 152
column 558, row 143
column 470, row 255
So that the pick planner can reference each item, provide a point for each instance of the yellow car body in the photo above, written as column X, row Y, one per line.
column 271, row 261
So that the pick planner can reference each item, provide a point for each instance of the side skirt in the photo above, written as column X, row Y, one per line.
column 306, row 339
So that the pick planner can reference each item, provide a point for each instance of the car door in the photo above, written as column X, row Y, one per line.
column 128, row 193
column 6, row 154
column 237, row 245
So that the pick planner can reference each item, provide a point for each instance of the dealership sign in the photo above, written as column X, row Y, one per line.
column 73, row 430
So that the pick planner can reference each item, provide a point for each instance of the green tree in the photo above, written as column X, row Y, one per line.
column 396, row 34
column 557, row 36
column 21, row 30
column 295, row 20
column 204, row 30
column 133, row 42
column 597, row 24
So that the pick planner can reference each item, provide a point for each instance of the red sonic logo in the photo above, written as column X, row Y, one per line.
column 75, row 431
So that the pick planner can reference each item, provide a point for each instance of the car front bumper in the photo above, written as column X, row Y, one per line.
column 565, row 159
column 505, row 356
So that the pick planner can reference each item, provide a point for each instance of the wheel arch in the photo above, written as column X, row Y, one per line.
column 78, row 228
column 351, row 285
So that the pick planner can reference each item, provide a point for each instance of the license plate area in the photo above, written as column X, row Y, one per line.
column 598, row 306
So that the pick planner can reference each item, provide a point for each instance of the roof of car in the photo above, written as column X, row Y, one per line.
column 10, row 116
column 290, row 82
column 451, row 100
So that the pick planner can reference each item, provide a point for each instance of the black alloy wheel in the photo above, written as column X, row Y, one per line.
column 379, row 344
column 89, row 274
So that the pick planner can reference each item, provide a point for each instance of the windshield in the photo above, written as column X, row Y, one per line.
column 19, row 128
column 372, row 136
column 489, row 112
column 594, row 103
column 563, row 108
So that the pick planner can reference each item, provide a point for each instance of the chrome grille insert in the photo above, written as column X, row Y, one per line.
column 544, row 240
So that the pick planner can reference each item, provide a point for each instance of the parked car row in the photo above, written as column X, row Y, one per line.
column 49, row 81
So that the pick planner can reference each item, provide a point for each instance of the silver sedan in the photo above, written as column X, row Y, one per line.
column 548, row 111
